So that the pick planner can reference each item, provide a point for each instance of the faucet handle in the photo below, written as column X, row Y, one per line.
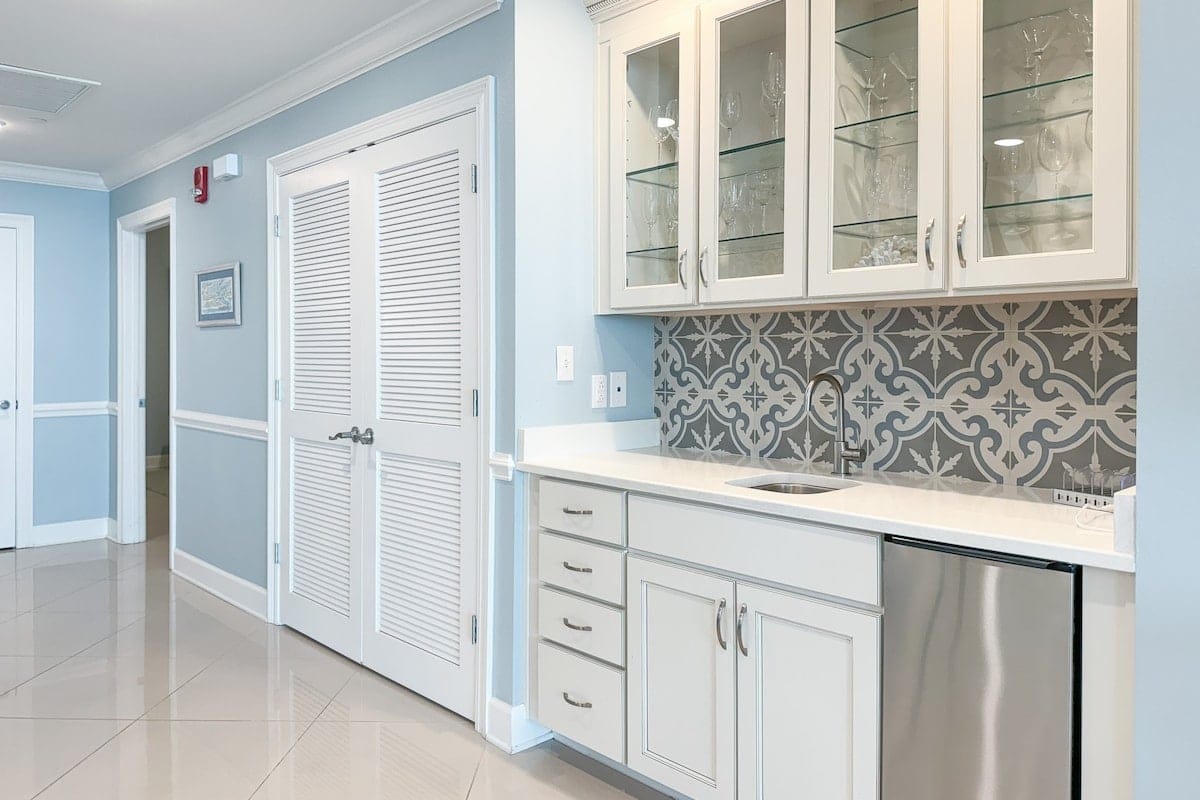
column 856, row 454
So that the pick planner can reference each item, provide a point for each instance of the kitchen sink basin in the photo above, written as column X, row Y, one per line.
column 793, row 483
column 787, row 487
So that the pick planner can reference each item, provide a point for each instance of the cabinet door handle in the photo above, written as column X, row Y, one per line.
column 575, row 703
column 577, row 512
column 929, row 244
column 703, row 273
column 679, row 269
column 573, row 568
column 584, row 628
column 721, row 625
column 740, row 641
column 958, row 241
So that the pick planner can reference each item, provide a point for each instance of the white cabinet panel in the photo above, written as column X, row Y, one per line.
column 584, row 625
column 588, row 569
column 582, row 699
column 682, row 726
column 586, row 511
column 808, row 699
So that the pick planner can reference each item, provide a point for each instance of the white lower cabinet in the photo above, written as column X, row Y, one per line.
column 682, row 680
column 736, row 691
column 808, row 698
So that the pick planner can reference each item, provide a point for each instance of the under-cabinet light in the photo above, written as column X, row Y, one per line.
column 1009, row 142
column 665, row 122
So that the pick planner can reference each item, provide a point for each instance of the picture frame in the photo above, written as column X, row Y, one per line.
column 219, row 295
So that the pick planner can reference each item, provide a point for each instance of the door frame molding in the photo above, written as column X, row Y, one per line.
column 131, row 369
column 476, row 97
column 24, row 225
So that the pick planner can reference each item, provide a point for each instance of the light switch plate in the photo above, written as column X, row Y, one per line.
column 616, row 389
column 564, row 361
column 599, row 391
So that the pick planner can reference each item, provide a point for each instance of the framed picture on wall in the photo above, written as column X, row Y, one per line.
column 219, row 295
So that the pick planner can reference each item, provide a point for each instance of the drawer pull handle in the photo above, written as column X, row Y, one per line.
column 577, row 512
column 584, row 628
column 720, row 625
column 573, row 568
column 741, row 642
column 575, row 703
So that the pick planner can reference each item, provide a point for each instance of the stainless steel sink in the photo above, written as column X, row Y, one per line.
column 783, row 487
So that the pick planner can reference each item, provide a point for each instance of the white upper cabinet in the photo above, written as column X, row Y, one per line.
column 652, row 163
column 877, row 164
column 753, row 81
column 1041, row 99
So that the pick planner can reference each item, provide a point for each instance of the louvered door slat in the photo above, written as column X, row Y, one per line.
column 320, row 515
column 320, row 300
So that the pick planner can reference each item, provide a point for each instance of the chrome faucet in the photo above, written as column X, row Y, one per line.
column 843, row 454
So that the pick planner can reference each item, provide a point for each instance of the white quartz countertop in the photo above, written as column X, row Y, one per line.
column 1003, row 519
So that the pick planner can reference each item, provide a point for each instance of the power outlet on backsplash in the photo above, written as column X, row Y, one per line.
column 1015, row 393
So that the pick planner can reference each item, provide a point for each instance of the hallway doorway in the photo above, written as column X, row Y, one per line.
column 157, row 348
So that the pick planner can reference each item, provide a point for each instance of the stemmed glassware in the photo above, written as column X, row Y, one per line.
column 905, row 62
column 731, row 114
column 763, row 188
column 1082, row 17
column 672, row 215
column 1018, row 174
column 673, row 117
column 1054, row 154
column 733, row 201
column 660, row 127
column 1037, row 34
column 773, row 89
column 651, row 210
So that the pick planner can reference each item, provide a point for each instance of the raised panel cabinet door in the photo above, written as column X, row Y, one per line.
column 681, row 682
column 753, row 78
column 320, row 554
column 808, row 698
column 1040, row 168
column 420, row 339
column 652, row 164
column 877, row 219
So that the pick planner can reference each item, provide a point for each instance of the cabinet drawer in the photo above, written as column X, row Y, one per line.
column 582, row 511
column 811, row 557
column 561, row 616
column 589, row 569
column 582, row 699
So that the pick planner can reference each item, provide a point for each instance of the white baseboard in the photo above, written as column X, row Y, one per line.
column 230, row 588
column 510, row 729
column 158, row 462
column 80, row 530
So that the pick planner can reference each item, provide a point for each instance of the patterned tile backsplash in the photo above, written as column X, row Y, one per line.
column 1015, row 393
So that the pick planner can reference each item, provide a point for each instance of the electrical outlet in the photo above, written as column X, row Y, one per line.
column 599, row 391
column 564, row 361
column 616, row 388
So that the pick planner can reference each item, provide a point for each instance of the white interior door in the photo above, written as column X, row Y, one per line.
column 421, row 498
column 8, row 386
column 324, row 393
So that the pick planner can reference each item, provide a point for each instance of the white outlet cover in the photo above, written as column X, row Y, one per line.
column 564, row 362
column 599, row 391
column 616, row 389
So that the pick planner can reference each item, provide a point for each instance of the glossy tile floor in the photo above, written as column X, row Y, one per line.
column 120, row 680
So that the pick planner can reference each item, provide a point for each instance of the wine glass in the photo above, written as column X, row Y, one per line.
column 1037, row 34
column 672, row 215
column 733, row 199
column 660, row 127
column 762, row 186
column 651, row 210
column 773, row 89
column 879, row 182
column 731, row 114
column 1082, row 17
column 905, row 62
column 1054, row 154
column 1087, row 130
column 1017, row 170
column 673, row 116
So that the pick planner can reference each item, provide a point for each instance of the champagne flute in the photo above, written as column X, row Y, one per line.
column 731, row 114
column 1082, row 17
column 1038, row 33
column 762, row 184
column 672, row 214
column 773, row 89
column 660, row 128
column 733, row 198
column 650, row 212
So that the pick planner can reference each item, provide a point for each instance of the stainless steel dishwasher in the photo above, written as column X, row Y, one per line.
column 980, row 675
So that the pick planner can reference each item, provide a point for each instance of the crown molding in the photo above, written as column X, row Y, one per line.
column 604, row 10
column 395, row 36
column 51, row 176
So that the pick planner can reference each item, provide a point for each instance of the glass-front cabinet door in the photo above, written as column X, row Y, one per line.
column 878, row 151
column 1040, row 170
column 752, row 86
column 652, row 163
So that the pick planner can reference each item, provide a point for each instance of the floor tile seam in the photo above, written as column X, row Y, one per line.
column 78, row 763
column 63, row 660
column 42, row 606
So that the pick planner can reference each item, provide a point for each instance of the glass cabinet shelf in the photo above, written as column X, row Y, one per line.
column 1039, row 212
column 890, row 131
column 670, row 253
column 757, row 243
column 880, row 35
column 878, row 228
column 752, row 158
column 1040, row 103
column 664, row 175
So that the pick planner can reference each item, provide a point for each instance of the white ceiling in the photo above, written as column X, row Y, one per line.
column 166, row 65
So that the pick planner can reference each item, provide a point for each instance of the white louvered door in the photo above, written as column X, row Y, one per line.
column 421, row 497
column 323, row 380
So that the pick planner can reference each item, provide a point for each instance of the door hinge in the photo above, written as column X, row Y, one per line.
column 474, row 179
column 278, row 391
column 474, row 629
column 277, row 225
column 277, row 552
column 475, row 402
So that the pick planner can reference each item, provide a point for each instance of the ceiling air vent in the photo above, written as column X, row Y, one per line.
column 42, row 92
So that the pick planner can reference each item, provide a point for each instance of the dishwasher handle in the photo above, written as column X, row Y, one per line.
column 986, row 555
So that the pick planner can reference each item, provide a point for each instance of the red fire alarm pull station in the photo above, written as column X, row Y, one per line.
column 200, row 184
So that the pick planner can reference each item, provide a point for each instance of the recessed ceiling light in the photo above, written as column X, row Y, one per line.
column 3, row 124
column 1014, row 142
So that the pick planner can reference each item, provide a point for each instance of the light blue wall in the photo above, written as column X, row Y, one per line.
column 224, row 370
column 73, row 474
column 1168, row 551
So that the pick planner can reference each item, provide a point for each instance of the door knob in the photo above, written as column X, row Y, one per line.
column 366, row 437
column 5, row 405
